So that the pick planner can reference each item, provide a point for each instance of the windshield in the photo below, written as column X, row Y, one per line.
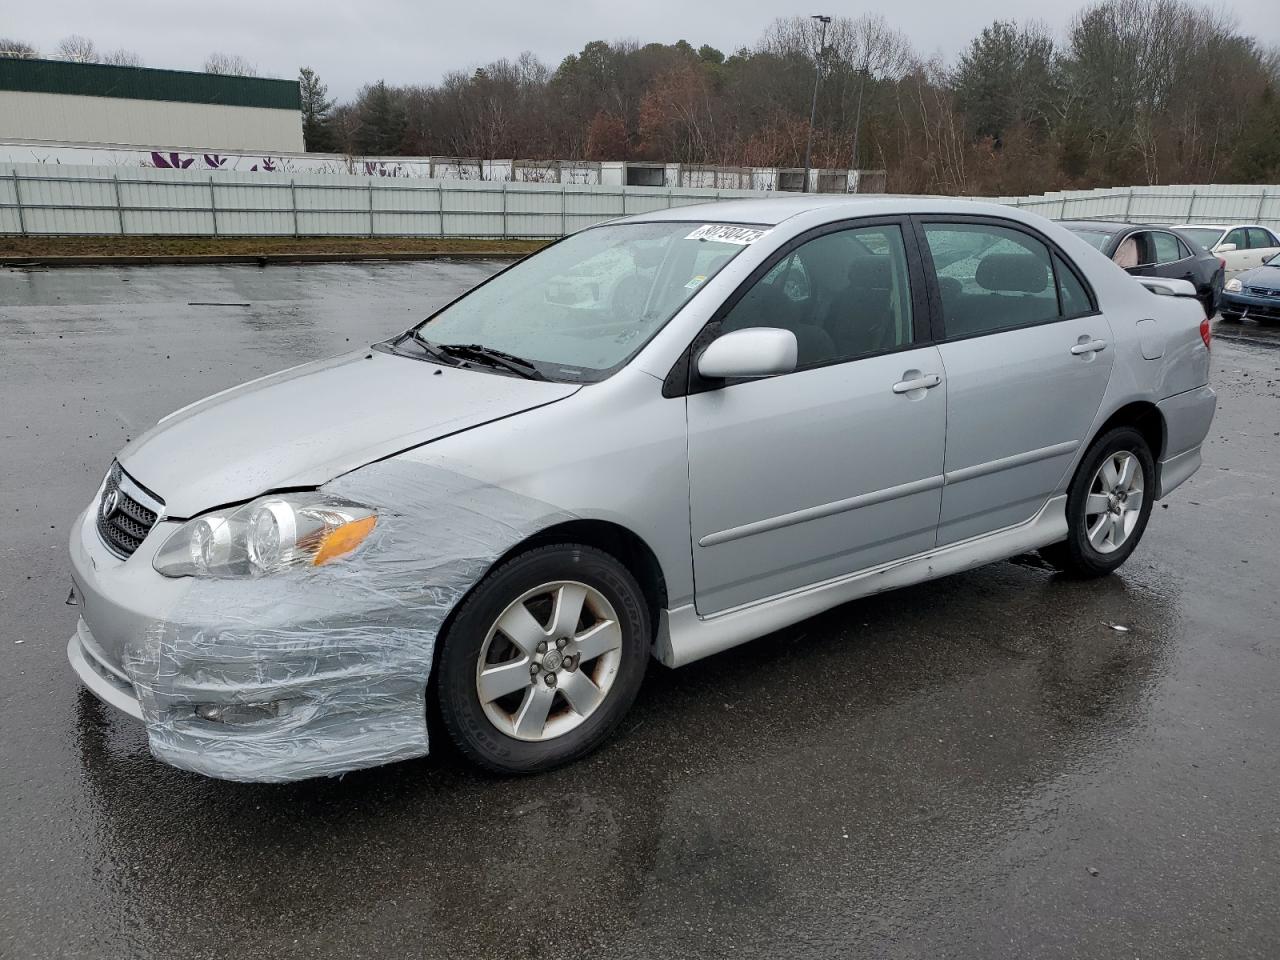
column 1095, row 238
column 1205, row 236
column 582, row 307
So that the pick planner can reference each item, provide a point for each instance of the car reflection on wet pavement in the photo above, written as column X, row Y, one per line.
column 1003, row 763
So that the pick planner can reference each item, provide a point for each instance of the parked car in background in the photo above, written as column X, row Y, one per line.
column 1241, row 246
column 1149, row 250
column 761, row 410
column 1254, row 294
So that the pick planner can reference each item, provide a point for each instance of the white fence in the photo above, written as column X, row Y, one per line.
column 52, row 199
column 606, row 173
column 41, row 199
column 1212, row 203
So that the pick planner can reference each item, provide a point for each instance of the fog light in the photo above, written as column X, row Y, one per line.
column 244, row 713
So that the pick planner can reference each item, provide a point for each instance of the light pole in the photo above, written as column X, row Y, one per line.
column 857, row 119
column 813, row 104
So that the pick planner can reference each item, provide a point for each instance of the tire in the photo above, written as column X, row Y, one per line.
column 515, row 607
column 1231, row 317
column 1118, row 532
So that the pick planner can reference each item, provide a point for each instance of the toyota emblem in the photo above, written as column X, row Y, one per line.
column 110, row 504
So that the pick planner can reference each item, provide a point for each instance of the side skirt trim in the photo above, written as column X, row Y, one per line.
column 684, row 637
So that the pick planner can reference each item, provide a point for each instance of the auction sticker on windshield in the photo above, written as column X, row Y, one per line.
column 727, row 234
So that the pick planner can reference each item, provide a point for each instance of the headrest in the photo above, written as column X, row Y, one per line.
column 1010, row 272
column 869, row 271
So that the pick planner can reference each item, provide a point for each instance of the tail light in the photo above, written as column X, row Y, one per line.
column 1222, row 263
column 1206, row 333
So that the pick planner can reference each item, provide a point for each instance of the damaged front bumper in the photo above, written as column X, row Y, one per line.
column 313, row 672
column 243, row 680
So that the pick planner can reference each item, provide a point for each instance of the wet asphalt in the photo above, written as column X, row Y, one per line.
column 987, row 766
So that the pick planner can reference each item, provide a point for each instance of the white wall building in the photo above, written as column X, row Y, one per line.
column 57, row 101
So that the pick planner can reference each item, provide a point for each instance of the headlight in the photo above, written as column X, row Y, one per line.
column 1234, row 285
column 266, row 536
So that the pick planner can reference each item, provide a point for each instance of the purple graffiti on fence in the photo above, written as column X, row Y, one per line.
column 214, row 161
column 174, row 161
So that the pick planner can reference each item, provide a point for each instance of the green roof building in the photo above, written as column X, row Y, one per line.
column 92, row 103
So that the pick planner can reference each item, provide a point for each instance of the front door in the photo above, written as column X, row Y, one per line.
column 1027, row 357
column 836, row 467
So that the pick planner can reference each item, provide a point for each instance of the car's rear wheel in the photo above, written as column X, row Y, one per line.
column 543, row 659
column 1108, row 505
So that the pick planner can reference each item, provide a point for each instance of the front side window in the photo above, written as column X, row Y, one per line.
column 991, row 278
column 1239, row 237
column 844, row 295
column 582, row 307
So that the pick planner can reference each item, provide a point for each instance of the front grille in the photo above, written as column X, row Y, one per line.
column 1263, row 292
column 123, row 521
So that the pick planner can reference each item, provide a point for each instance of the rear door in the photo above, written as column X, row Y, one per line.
column 1027, row 357
column 837, row 466
column 1263, row 245
column 1164, row 256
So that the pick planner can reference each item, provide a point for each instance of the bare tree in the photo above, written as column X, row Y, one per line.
column 122, row 58
column 17, row 49
column 230, row 64
column 77, row 48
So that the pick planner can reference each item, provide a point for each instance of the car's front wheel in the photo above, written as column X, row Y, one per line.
column 543, row 659
column 1108, row 505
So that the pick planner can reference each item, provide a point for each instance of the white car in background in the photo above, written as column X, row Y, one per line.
column 1242, row 246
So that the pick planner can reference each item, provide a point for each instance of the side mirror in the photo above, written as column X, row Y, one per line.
column 1224, row 248
column 754, row 352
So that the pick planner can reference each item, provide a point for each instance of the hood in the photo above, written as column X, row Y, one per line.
column 1267, row 275
column 304, row 426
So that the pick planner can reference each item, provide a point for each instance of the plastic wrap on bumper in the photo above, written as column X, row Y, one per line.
column 322, row 670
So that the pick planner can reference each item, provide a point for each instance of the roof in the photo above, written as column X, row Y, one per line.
column 1116, row 226
column 836, row 206
column 1107, row 226
column 145, row 83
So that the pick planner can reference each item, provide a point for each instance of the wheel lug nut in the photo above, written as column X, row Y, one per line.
column 542, row 646
column 571, row 663
column 562, row 643
column 534, row 668
column 550, row 678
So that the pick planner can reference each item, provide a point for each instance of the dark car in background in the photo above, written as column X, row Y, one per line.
column 1254, row 294
column 1150, row 250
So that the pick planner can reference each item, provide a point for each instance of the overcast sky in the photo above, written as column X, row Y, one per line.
column 403, row 41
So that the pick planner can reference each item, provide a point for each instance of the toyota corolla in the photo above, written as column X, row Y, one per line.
column 658, row 438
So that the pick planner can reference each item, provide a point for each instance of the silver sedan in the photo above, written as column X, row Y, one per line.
column 659, row 437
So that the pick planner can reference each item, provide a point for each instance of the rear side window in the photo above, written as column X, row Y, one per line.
column 1184, row 251
column 1259, row 239
column 1074, row 297
column 1166, row 247
column 991, row 278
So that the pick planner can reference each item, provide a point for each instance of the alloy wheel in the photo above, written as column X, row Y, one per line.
column 1114, row 503
column 549, row 660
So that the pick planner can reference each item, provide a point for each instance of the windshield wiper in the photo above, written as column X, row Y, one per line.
column 479, row 353
column 431, row 349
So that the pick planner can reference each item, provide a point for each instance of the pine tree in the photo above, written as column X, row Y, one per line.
column 316, row 130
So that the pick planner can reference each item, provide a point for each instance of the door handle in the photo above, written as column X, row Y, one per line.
column 1090, row 346
column 918, row 383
